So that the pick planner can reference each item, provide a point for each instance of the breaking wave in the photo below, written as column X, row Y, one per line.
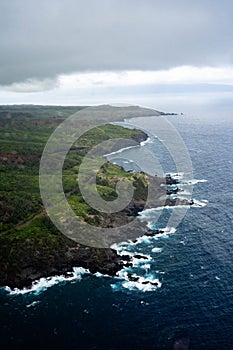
column 42, row 284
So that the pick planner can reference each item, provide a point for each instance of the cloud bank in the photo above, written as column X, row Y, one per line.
column 41, row 41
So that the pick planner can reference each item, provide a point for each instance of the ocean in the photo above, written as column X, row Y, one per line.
column 183, row 287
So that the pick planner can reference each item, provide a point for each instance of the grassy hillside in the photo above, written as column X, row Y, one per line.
column 24, row 225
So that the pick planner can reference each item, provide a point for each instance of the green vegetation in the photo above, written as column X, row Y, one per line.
column 24, row 226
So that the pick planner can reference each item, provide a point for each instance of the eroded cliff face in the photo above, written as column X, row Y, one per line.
column 24, row 261
column 33, row 263
column 28, row 260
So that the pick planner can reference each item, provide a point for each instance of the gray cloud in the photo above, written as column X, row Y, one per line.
column 40, row 40
column 31, row 85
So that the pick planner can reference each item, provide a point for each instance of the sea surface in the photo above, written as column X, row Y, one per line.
column 183, row 287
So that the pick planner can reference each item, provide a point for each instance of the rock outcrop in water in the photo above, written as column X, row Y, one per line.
column 170, row 180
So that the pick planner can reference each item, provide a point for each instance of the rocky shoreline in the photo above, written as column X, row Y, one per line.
column 35, row 264
column 34, row 261
column 35, row 267
column 24, row 263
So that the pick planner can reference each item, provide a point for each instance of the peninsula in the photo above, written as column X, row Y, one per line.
column 31, row 247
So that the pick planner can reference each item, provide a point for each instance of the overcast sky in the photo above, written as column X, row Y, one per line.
column 72, row 51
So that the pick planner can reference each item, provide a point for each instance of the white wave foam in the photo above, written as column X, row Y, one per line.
column 121, row 248
column 156, row 250
column 200, row 204
column 123, row 274
column 164, row 232
column 98, row 274
column 145, row 267
column 148, row 140
column 145, row 215
column 184, row 193
column 136, row 258
column 167, row 230
column 142, row 302
column 142, row 239
column 143, row 284
column 120, row 151
column 144, row 258
column 160, row 272
column 43, row 283
column 194, row 181
column 125, row 252
column 34, row 303
column 128, row 161
column 118, row 246
column 137, row 282
column 177, row 176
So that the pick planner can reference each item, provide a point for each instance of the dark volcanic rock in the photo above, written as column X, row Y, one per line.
column 139, row 137
column 132, row 278
column 178, row 201
column 173, row 191
column 36, row 264
column 33, row 260
column 152, row 233
column 139, row 256
column 170, row 180
column 126, row 257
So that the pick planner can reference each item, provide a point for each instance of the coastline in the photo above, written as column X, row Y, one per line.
column 70, row 255
column 35, row 262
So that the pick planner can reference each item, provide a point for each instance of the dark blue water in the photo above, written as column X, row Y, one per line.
column 194, row 266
